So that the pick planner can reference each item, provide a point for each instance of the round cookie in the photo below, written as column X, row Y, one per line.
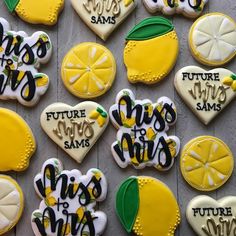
column 212, row 39
column 69, row 201
column 17, row 143
column 151, row 50
column 36, row 12
column 11, row 203
column 146, row 206
column 206, row 163
column 88, row 70
column 208, row 216
column 191, row 9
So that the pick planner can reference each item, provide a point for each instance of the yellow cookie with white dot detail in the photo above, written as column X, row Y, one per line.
column 151, row 50
column 206, row 163
column 88, row 70
column 17, row 143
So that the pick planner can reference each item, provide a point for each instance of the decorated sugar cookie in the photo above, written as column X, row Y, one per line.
column 142, row 125
column 20, row 58
column 88, row 70
column 151, row 50
column 212, row 39
column 189, row 8
column 36, row 12
column 206, row 163
column 103, row 16
column 74, row 129
column 146, row 206
column 11, row 203
column 208, row 216
column 207, row 93
column 17, row 143
column 68, row 201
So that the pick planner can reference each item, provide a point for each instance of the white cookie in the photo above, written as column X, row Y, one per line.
column 68, row 201
column 189, row 8
column 207, row 93
column 142, row 126
column 103, row 16
column 210, row 217
column 74, row 129
column 20, row 57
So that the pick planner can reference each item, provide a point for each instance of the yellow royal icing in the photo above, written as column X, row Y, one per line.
column 206, row 163
column 39, row 12
column 88, row 70
column 17, row 143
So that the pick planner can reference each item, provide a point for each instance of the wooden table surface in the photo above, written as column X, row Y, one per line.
column 70, row 31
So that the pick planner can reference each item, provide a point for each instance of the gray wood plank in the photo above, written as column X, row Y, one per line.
column 69, row 32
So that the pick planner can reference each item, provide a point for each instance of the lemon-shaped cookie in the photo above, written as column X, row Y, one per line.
column 36, row 12
column 88, row 70
column 11, row 203
column 206, row 163
column 147, row 207
column 151, row 50
column 212, row 39
column 17, row 143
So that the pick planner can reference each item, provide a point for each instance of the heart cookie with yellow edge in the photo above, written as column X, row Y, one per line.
column 151, row 50
column 17, row 143
column 36, row 12
column 103, row 16
column 207, row 93
column 212, row 39
column 75, row 129
column 11, row 203
column 146, row 206
column 206, row 163
column 88, row 70
column 208, row 216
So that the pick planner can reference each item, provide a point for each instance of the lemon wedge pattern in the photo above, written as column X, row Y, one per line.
column 212, row 39
column 88, row 70
column 11, row 203
column 206, row 163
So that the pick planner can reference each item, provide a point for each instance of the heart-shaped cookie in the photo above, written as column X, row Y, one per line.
column 207, row 93
column 209, row 217
column 74, row 129
column 103, row 16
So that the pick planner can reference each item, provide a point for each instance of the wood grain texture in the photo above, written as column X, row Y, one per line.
column 70, row 31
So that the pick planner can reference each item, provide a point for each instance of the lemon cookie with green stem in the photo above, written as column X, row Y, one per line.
column 146, row 206
column 151, row 50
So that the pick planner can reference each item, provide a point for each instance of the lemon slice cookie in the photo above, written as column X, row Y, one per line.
column 206, row 163
column 17, row 143
column 88, row 70
column 36, row 12
column 212, row 39
column 146, row 206
column 11, row 203
column 151, row 50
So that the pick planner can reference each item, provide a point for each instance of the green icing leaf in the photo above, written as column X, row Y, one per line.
column 150, row 28
column 127, row 202
column 11, row 4
column 233, row 76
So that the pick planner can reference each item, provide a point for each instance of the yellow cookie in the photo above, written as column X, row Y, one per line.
column 212, row 39
column 11, row 203
column 151, row 50
column 17, row 143
column 206, row 163
column 88, row 70
column 36, row 12
column 147, row 207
